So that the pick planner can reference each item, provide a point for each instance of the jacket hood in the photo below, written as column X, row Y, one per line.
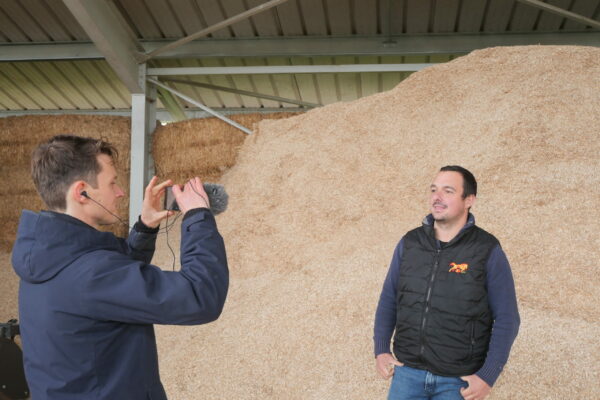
column 49, row 241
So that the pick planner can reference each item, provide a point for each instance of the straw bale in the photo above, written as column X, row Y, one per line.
column 319, row 201
column 204, row 147
column 9, row 287
column 20, row 135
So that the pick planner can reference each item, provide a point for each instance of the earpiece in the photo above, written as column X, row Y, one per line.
column 84, row 194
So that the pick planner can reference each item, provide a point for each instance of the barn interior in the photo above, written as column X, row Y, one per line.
column 326, row 120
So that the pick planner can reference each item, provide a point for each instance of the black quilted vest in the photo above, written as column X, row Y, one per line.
column 443, row 320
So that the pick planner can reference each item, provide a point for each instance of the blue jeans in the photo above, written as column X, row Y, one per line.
column 416, row 384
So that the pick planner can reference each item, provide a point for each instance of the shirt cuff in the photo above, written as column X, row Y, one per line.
column 194, row 211
column 489, row 373
column 381, row 346
column 141, row 227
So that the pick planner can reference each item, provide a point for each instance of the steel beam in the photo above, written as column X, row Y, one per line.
column 202, row 106
column 310, row 47
column 563, row 13
column 215, row 27
column 172, row 105
column 287, row 69
column 161, row 115
column 242, row 92
column 105, row 26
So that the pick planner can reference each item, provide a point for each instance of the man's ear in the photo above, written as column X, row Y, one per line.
column 77, row 190
column 470, row 200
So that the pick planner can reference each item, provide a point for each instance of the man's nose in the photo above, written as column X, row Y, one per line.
column 120, row 192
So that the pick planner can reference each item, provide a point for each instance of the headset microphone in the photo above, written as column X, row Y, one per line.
column 84, row 194
column 164, row 230
column 87, row 196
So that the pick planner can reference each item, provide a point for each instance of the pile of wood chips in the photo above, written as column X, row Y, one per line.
column 319, row 201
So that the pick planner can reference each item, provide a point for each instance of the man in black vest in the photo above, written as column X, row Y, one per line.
column 449, row 301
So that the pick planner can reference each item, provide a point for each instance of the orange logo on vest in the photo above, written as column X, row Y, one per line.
column 459, row 268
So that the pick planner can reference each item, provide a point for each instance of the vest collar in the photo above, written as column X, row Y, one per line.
column 428, row 220
column 428, row 226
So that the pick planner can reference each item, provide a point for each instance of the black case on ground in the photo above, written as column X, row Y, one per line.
column 13, row 385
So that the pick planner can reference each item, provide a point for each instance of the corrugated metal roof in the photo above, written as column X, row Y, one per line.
column 91, row 84
column 42, row 21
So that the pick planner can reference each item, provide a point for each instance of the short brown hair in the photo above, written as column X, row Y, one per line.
column 64, row 159
column 469, row 182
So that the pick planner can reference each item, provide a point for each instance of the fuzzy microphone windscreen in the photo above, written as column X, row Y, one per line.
column 217, row 197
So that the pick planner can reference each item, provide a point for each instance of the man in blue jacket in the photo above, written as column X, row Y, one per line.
column 88, row 299
column 449, row 301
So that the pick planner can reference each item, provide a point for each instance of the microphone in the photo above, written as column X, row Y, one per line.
column 217, row 197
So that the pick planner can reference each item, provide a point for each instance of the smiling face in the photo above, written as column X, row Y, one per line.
column 446, row 202
column 107, row 192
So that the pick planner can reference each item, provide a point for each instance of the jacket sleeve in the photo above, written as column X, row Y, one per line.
column 117, row 287
column 385, row 316
column 503, row 304
column 141, row 242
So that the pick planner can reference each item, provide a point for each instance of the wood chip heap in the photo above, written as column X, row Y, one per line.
column 319, row 201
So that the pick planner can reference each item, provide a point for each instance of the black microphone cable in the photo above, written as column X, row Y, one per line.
column 161, row 230
column 165, row 230
column 167, row 239
column 167, row 226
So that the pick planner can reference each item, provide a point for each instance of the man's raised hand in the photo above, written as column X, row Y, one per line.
column 192, row 196
column 152, row 212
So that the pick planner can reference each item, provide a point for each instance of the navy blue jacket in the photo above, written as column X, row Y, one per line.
column 88, row 301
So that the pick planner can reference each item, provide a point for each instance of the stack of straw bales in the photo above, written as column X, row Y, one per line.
column 20, row 135
column 319, row 201
column 9, row 288
column 201, row 147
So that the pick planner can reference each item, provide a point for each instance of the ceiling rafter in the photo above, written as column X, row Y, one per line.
column 107, row 29
column 309, row 47
column 562, row 12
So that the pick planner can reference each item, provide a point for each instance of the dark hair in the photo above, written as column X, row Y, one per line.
column 64, row 159
column 469, row 182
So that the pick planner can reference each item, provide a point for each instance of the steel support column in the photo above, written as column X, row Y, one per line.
column 143, row 124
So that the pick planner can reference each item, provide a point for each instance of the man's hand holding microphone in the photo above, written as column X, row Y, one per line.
column 192, row 196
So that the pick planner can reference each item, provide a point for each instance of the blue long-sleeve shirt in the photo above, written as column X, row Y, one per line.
column 502, row 301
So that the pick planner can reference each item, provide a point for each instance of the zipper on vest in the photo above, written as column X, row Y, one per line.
column 472, row 339
column 428, row 299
